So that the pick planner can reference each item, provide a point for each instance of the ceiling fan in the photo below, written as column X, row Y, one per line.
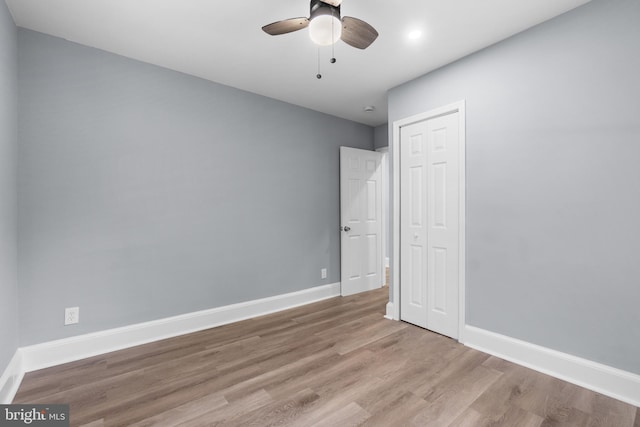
column 326, row 27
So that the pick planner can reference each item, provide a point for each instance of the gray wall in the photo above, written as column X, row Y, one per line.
column 8, row 200
column 381, row 136
column 146, row 193
column 553, row 194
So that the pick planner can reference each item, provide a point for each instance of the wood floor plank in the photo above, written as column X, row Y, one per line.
column 457, row 369
column 513, row 416
column 398, row 409
column 368, row 335
column 450, row 398
column 519, row 417
column 471, row 418
column 350, row 415
column 323, row 377
column 186, row 412
column 314, row 362
column 281, row 412
column 227, row 414
column 337, row 362
column 328, row 403
column 126, row 406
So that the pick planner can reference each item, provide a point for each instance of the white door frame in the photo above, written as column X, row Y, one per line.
column 385, row 199
column 393, row 310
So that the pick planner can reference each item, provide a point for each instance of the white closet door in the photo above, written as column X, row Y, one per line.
column 429, row 237
column 413, row 225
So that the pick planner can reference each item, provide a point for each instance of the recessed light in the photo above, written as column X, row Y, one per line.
column 369, row 108
column 414, row 34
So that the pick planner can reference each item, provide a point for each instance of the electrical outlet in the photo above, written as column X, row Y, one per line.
column 71, row 315
column 323, row 273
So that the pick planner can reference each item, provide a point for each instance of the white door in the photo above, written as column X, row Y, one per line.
column 361, row 220
column 429, row 224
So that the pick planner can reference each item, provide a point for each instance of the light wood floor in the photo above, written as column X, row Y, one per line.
column 333, row 363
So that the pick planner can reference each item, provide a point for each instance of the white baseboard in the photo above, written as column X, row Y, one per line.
column 11, row 379
column 389, row 314
column 66, row 350
column 612, row 382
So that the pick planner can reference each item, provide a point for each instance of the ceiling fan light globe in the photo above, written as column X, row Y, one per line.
column 325, row 30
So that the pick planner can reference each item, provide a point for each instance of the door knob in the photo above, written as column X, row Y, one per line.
column 345, row 228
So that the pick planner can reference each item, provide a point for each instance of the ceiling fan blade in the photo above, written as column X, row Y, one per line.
column 286, row 26
column 357, row 33
column 334, row 3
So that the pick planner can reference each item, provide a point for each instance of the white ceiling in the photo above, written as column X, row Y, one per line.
column 222, row 41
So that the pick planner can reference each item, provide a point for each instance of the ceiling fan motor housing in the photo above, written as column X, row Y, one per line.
column 319, row 8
